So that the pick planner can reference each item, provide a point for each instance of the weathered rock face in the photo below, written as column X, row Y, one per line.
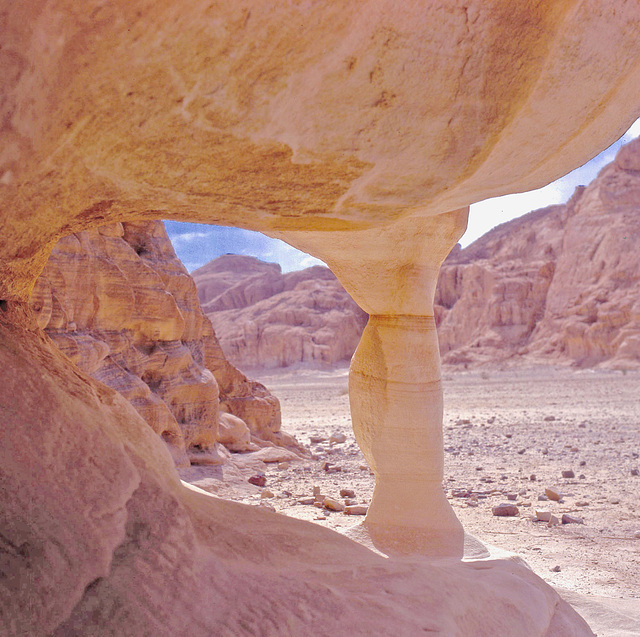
column 530, row 292
column 118, row 302
column 267, row 319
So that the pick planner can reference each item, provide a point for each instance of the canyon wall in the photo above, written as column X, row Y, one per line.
column 267, row 319
column 531, row 292
column 119, row 303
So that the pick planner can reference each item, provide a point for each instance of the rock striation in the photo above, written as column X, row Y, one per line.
column 529, row 291
column 267, row 319
column 118, row 302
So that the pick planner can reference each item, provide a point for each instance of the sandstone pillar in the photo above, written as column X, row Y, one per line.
column 394, row 382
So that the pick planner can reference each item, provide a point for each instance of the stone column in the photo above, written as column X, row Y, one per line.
column 394, row 382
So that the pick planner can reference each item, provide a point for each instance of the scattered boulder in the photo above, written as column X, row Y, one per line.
column 347, row 493
column 568, row 474
column 553, row 494
column 259, row 480
column 568, row 519
column 337, row 438
column 333, row 505
column 505, row 510
column 356, row 509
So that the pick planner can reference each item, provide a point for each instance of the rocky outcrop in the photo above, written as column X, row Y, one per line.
column 121, row 306
column 530, row 292
column 267, row 319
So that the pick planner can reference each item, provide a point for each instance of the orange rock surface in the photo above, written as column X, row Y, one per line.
column 267, row 319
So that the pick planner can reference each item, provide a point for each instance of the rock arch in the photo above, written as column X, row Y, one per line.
column 360, row 132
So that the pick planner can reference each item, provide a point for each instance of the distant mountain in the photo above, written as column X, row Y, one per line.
column 267, row 319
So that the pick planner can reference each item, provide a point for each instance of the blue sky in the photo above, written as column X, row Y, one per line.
column 196, row 244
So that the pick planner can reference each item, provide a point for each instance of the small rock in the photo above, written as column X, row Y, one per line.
column 532, row 477
column 582, row 477
column 583, row 463
column 363, row 467
column 491, row 420
column 283, row 465
column 349, row 502
column 553, row 521
column 266, row 494
column 637, row 534
column 347, row 493
column 568, row 474
column 508, row 435
column 314, row 440
column 574, row 449
column 479, row 468
column 259, row 480
column 568, row 519
column 356, row 509
column 555, row 569
column 615, row 501
column 543, row 516
column 316, row 490
column 522, row 492
column 307, row 501
column 318, row 505
column 553, row 494
column 521, row 451
column 542, row 498
column 582, row 503
column 268, row 507
column 549, row 418
column 320, row 517
column 582, row 425
column 512, row 496
column 505, row 510
column 337, row 438
column 333, row 505
column 545, row 451
column 634, row 472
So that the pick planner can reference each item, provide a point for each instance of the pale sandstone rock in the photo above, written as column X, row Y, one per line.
column 267, row 319
column 288, row 118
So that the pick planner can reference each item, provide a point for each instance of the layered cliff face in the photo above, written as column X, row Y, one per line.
column 121, row 306
column 267, row 319
column 530, row 292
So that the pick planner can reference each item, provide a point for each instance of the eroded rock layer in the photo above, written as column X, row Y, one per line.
column 267, row 319
column 558, row 285
column 118, row 302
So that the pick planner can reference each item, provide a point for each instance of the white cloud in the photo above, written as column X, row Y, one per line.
column 187, row 237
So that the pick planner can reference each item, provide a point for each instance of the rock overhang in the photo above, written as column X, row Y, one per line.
column 298, row 117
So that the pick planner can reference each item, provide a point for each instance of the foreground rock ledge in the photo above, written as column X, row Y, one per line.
column 111, row 534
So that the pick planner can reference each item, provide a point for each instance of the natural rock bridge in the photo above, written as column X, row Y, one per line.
column 359, row 132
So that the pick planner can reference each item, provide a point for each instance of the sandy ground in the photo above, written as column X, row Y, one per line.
column 506, row 433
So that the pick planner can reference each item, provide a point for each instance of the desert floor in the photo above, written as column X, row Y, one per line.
column 506, row 433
